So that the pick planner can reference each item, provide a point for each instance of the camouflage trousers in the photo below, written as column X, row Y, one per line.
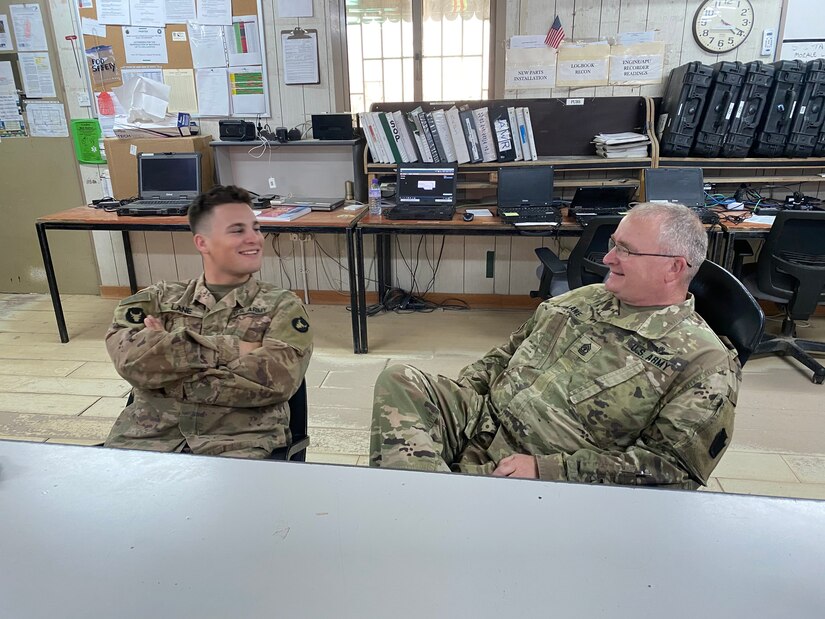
column 429, row 423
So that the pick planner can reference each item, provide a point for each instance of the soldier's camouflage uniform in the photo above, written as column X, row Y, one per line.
column 191, row 385
column 600, row 392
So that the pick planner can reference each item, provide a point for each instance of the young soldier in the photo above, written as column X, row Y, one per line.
column 213, row 360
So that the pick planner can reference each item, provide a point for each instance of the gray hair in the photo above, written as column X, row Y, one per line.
column 681, row 232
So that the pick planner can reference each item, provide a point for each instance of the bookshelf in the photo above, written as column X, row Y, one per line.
column 563, row 130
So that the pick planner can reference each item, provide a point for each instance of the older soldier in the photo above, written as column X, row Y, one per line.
column 615, row 383
column 213, row 360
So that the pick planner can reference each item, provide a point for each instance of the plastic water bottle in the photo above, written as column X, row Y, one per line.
column 375, row 197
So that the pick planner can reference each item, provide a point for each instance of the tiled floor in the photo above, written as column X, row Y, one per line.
column 69, row 393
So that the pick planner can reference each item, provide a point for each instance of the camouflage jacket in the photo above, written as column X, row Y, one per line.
column 605, row 393
column 192, row 376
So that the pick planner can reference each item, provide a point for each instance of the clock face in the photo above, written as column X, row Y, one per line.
column 722, row 25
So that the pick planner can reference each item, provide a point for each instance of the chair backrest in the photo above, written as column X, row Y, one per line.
column 585, row 266
column 728, row 308
column 791, row 264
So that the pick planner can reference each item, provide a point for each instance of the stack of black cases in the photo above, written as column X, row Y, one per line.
column 749, row 109
column 772, row 135
column 728, row 78
column 682, row 108
column 810, row 112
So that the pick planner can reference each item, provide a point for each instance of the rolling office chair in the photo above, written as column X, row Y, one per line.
column 584, row 266
column 790, row 271
column 297, row 448
column 728, row 308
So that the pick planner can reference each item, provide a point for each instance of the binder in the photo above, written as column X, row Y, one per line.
column 468, row 126
column 682, row 107
column 454, row 122
column 485, row 135
column 749, row 109
column 531, row 138
column 728, row 78
column 442, row 155
column 428, row 136
column 500, row 124
column 522, row 134
column 440, row 120
column 772, row 135
column 511, row 114
column 384, row 117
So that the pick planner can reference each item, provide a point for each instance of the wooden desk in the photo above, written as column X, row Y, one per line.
column 733, row 231
column 384, row 228
column 85, row 218
column 94, row 532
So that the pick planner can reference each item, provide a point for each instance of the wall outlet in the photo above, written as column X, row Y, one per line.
column 272, row 183
column 768, row 41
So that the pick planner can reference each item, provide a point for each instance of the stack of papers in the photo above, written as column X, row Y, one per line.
column 618, row 145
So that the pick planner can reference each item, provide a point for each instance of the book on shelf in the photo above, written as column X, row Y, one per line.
column 406, row 136
column 373, row 141
column 384, row 117
column 522, row 135
column 468, row 126
column 459, row 141
column 444, row 134
column 418, row 134
column 530, row 136
column 439, row 146
column 500, row 124
column 428, row 136
column 283, row 213
column 485, row 135
column 511, row 115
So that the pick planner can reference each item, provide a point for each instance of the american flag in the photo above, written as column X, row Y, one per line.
column 555, row 35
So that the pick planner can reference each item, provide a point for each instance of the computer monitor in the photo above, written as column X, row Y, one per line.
column 525, row 186
column 683, row 185
column 426, row 185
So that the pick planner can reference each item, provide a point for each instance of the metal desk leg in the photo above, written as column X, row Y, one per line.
column 52, row 280
column 383, row 246
column 355, row 311
column 130, row 263
column 727, row 261
column 362, row 294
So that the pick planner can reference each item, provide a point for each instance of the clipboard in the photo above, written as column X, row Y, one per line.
column 300, row 53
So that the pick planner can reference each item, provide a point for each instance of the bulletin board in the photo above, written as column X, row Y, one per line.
column 179, row 56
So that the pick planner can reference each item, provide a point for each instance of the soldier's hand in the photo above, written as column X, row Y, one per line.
column 517, row 465
column 153, row 324
column 244, row 348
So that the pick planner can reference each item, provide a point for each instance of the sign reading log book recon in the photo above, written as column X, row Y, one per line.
column 583, row 64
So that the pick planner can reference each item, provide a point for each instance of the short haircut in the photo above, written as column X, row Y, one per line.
column 681, row 232
column 204, row 204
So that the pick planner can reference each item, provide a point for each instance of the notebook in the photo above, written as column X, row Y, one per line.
column 167, row 184
column 683, row 185
column 425, row 191
column 525, row 196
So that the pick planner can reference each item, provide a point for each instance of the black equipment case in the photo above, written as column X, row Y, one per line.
column 772, row 135
column 728, row 78
column 682, row 108
column 810, row 112
column 749, row 109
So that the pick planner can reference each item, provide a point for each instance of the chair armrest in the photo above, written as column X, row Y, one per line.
column 551, row 261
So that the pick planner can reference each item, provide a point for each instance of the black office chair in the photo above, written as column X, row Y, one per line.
column 584, row 266
column 297, row 448
column 790, row 271
column 728, row 308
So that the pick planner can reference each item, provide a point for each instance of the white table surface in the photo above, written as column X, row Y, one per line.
column 91, row 532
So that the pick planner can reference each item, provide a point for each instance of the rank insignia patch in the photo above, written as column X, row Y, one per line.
column 300, row 325
column 585, row 348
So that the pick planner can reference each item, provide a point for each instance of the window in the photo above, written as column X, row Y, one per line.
column 417, row 50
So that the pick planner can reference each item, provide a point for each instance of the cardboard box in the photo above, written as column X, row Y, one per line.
column 121, row 155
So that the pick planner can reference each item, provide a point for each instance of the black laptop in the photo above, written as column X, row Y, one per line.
column 167, row 184
column 683, row 185
column 607, row 200
column 525, row 196
column 425, row 191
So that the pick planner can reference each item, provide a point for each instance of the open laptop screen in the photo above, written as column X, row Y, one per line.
column 682, row 185
column 525, row 186
column 426, row 185
column 172, row 175
column 602, row 197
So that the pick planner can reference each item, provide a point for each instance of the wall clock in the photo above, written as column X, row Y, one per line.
column 720, row 26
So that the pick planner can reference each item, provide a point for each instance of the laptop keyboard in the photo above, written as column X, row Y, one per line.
column 520, row 214
column 159, row 203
